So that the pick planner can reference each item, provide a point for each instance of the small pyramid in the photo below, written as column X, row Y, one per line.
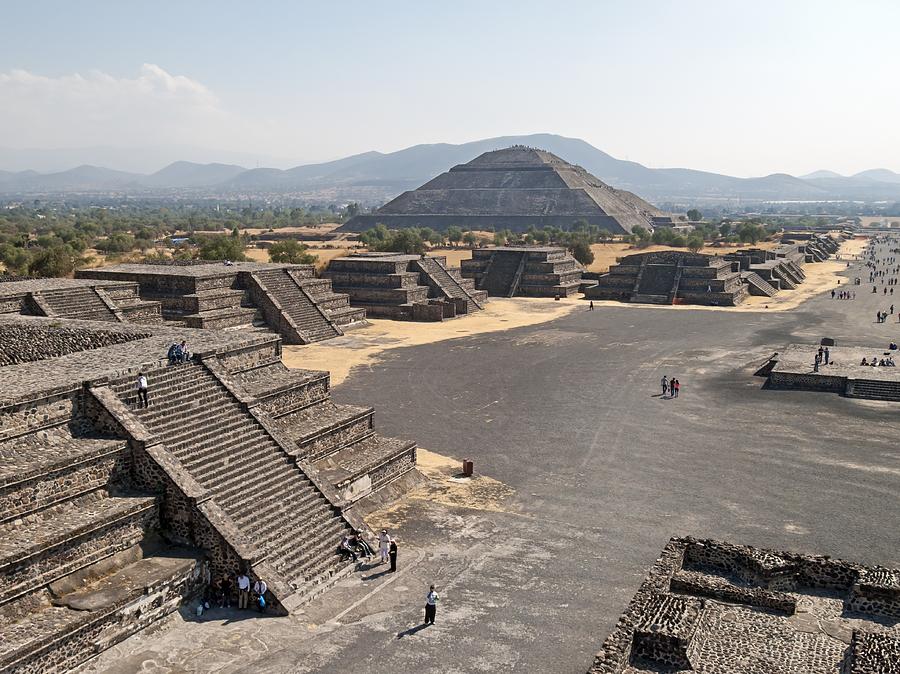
column 512, row 188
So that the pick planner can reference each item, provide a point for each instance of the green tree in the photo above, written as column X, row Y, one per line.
column 499, row 238
column 694, row 215
column 725, row 229
column 59, row 260
column 352, row 209
column 695, row 242
column 292, row 252
column 581, row 251
column 221, row 247
column 470, row 239
column 454, row 235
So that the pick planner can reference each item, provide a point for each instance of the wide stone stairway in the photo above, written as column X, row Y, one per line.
column 312, row 322
column 501, row 278
column 82, row 303
column 257, row 484
column 449, row 286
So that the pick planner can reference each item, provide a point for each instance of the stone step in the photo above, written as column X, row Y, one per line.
column 60, row 540
column 301, row 562
column 315, row 516
column 210, row 468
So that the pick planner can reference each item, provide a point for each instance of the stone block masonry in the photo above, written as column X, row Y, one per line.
column 282, row 298
column 526, row 271
column 408, row 287
column 110, row 512
column 720, row 608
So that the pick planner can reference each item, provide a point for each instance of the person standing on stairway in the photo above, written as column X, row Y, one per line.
column 143, row 399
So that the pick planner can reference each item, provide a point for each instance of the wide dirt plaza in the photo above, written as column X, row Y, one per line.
column 583, row 472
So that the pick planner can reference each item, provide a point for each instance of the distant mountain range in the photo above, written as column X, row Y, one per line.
column 374, row 176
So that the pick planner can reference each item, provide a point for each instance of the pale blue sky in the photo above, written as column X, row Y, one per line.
column 746, row 88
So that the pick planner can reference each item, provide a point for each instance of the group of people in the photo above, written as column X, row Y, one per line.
column 879, row 362
column 881, row 316
column 355, row 546
column 670, row 387
column 823, row 356
column 843, row 294
column 228, row 590
column 178, row 353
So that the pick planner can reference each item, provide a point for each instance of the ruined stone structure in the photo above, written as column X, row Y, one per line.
column 411, row 287
column 718, row 608
column 284, row 298
column 814, row 247
column 112, row 515
column 513, row 188
column 111, row 301
column 529, row 271
column 768, row 271
column 792, row 368
column 671, row 277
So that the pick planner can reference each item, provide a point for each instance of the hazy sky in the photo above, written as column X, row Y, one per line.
column 746, row 88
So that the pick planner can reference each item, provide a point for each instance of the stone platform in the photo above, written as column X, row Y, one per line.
column 113, row 514
column 792, row 368
column 526, row 271
column 718, row 608
column 408, row 287
column 282, row 298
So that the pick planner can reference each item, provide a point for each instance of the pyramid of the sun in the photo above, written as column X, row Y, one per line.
column 512, row 188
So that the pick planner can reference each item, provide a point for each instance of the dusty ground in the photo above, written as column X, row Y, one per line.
column 362, row 347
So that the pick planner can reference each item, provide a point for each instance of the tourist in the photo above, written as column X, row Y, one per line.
column 259, row 591
column 358, row 540
column 833, row 294
column 243, row 584
column 431, row 600
column 591, row 307
column 827, row 355
column 143, row 399
column 675, row 386
column 384, row 543
column 392, row 552
column 172, row 354
column 185, row 354
column 816, row 362
column 664, row 382
column 346, row 549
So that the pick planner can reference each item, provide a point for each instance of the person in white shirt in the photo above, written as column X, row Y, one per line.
column 243, row 583
column 259, row 591
column 384, row 544
column 431, row 600
column 143, row 401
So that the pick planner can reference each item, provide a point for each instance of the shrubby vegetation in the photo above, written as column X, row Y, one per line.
column 291, row 251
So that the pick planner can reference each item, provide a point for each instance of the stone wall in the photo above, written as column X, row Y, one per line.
column 27, row 343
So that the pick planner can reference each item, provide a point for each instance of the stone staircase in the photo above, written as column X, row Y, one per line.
column 81, row 303
column 873, row 389
column 312, row 322
column 650, row 299
column 503, row 273
column 77, row 571
column 758, row 285
column 439, row 278
column 255, row 482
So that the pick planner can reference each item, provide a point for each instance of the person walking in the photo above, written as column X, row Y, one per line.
column 664, row 382
column 591, row 307
column 431, row 600
column 384, row 543
column 675, row 385
column 243, row 583
column 143, row 399
column 827, row 356
column 392, row 551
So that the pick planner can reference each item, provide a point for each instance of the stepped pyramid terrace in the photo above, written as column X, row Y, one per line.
column 672, row 277
column 285, row 299
column 85, row 299
column 528, row 271
column 112, row 514
column 513, row 188
column 719, row 608
column 410, row 287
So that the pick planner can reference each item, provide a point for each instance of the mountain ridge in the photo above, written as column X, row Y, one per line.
column 380, row 175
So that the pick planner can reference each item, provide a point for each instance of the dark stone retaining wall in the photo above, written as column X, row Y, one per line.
column 27, row 343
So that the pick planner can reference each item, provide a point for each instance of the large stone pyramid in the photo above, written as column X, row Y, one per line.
column 512, row 188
